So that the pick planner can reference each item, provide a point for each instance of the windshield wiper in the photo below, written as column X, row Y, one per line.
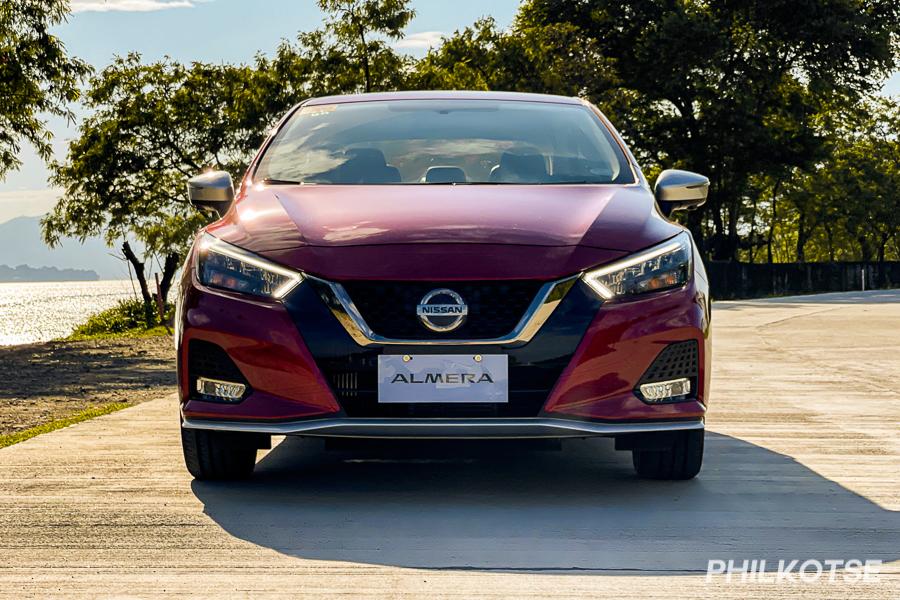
column 463, row 183
column 444, row 182
column 574, row 182
column 270, row 181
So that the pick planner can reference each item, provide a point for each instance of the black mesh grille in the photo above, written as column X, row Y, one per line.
column 495, row 307
column 674, row 362
column 209, row 360
column 354, row 380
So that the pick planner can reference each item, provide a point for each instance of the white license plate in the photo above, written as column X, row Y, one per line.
column 443, row 378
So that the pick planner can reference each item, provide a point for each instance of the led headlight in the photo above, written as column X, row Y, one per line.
column 662, row 267
column 228, row 267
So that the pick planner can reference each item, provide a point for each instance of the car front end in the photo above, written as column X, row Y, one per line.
column 511, row 309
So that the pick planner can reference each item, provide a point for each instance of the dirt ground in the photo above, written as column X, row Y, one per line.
column 51, row 380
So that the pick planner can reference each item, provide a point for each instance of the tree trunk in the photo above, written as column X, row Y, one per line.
column 752, row 238
column 733, row 241
column 695, row 224
column 773, row 221
column 138, row 266
column 714, row 207
column 801, row 241
column 829, row 234
column 170, row 267
column 865, row 247
column 365, row 59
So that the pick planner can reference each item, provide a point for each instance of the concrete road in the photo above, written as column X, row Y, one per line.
column 803, row 462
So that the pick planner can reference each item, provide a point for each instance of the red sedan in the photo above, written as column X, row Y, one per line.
column 450, row 265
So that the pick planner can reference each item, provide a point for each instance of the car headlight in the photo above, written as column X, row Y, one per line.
column 221, row 265
column 662, row 267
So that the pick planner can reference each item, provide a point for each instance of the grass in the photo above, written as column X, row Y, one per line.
column 9, row 439
column 127, row 333
column 129, row 318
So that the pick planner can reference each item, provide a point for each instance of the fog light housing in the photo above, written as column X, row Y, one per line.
column 223, row 390
column 666, row 391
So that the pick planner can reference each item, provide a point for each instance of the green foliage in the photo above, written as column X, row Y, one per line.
column 484, row 57
column 37, row 77
column 847, row 205
column 127, row 317
column 351, row 54
column 357, row 47
column 151, row 127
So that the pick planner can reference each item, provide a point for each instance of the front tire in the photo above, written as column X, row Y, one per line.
column 218, row 454
column 682, row 460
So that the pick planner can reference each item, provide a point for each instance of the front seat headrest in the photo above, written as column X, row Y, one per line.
column 445, row 175
column 366, row 165
column 526, row 168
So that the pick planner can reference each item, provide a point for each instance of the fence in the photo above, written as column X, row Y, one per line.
column 742, row 280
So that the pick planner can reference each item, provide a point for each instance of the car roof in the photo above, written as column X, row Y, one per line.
column 442, row 95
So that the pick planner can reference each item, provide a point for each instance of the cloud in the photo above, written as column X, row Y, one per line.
column 128, row 5
column 27, row 203
column 423, row 39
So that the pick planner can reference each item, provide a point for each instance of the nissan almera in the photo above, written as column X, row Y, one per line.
column 444, row 265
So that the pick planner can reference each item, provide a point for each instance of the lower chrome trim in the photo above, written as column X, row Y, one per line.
column 445, row 428
column 341, row 305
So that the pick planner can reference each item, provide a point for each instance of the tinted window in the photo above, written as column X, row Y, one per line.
column 442, row 142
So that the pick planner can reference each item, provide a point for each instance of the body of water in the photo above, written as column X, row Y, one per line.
column 41, row 311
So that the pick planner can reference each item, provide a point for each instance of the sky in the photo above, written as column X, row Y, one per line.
column 230, row 31
column 211, row 31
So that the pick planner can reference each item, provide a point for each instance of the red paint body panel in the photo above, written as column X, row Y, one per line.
column 446, row 262
column 263, row 342
column 623, row 218
column 618, row 348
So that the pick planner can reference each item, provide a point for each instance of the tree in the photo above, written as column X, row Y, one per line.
column 845, row 206
column 352, row 53
column 858, row 182
column 552, row 59
column 152, row 127
column 36, row 76
column 731, row 89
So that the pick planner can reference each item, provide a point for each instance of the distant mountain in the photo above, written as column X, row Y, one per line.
column 21, row 244
column 26, row 273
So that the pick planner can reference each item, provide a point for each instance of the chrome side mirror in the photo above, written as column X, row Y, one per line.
column 680, row 190
column 212, row 191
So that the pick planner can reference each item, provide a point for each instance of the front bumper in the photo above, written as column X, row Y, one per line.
column 576, row 377
column 446, row 428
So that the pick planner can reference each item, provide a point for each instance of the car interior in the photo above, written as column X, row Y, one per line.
column 368, row 165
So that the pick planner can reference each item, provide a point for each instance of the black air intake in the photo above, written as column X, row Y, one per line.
column 209, row 360
column 676, row 361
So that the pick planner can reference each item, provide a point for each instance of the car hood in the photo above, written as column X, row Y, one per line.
column 342, row 231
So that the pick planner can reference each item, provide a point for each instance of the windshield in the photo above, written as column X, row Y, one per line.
column 444, row 142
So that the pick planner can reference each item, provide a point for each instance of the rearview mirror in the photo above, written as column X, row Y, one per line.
column 680, row 190
column 212, row 191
